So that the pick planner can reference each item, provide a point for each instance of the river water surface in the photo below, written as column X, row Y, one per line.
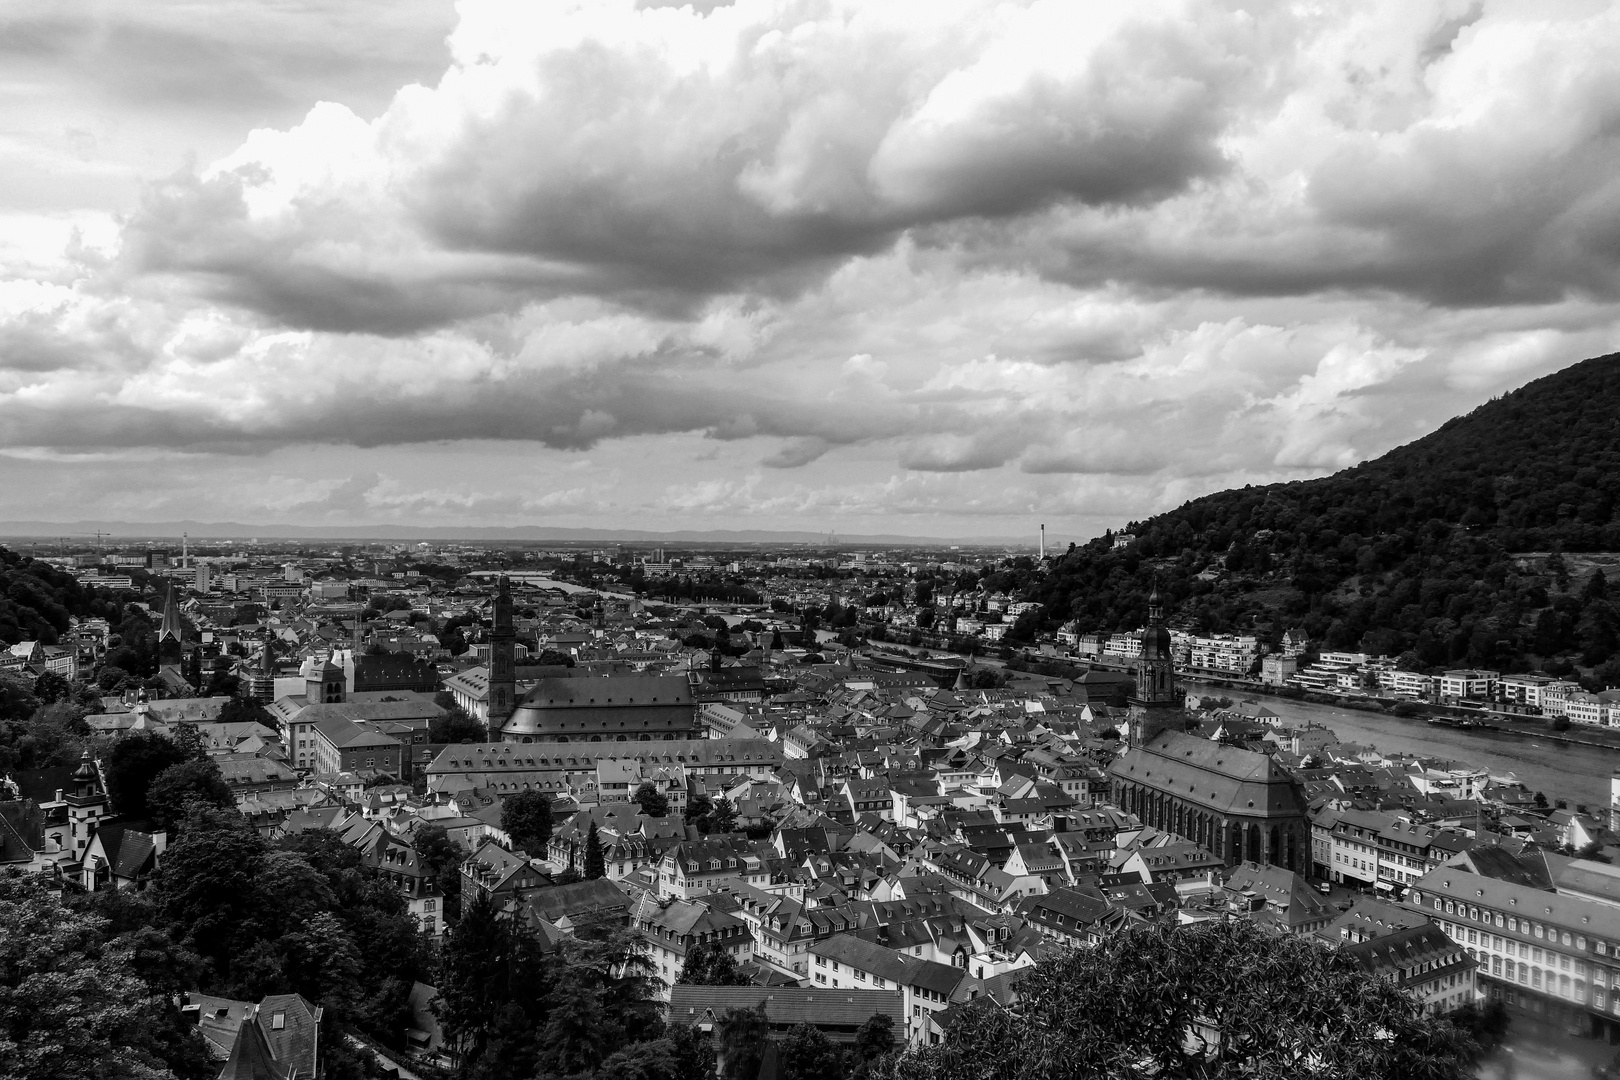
column 1579, row 774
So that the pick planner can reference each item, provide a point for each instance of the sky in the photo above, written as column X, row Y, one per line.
column 939, row 269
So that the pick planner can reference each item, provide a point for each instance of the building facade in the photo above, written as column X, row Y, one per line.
column 617, row 708
column 1238, row 804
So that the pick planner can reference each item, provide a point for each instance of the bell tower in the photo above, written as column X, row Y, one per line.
column 502, row 665
column 1155, row 702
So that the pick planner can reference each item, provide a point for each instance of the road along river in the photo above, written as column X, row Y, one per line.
column 1579, row 774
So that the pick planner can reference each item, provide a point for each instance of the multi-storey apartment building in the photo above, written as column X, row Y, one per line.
column 1407, row 684
column 670, row 929
column 1467, row 684
column 1554, row 955
column 1423, row 961
column 846, row 962
column 1230, row 654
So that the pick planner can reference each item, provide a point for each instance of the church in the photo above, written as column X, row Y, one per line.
column 1238, row 804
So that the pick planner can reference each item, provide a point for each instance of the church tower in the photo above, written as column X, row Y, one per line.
column 502, row 665
column 324, row 683
column 171, row 634
column 1155, row 703
column 262, row 686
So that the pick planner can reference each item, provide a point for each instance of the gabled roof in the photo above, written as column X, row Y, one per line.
column 291, row 1026
column 787, row 1006
column 1225, row 778
column 129, row 852
column 886, row 963
column 251, row 1057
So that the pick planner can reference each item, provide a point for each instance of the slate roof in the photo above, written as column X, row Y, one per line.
column 1224, row 778
column 21, row 830
column 787, row 1006
column 616, row 691
column 598, row 897
column 295, row 1040
column 129, row 852
column 251, row 1057
column 1397, row 955
column 886, row 963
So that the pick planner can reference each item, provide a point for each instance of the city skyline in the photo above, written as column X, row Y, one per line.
column 935, row 270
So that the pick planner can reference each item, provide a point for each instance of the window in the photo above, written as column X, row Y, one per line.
column 278, row 1021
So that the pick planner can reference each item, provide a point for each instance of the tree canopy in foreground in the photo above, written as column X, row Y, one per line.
column 1210, row 1000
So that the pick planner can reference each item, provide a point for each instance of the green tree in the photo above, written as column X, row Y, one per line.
column 443, row 859
column 708, row 964
column 489, row 961
column 207, row 888
column 526, row 818
column 741, row 1035
column 1213, row 999
column 653, row 803
column 693, row 1050
column 652, row 1060
column 72, row 1006
column 455, row 725
column 594, row 867
column 697, row 809
column 243, row 710
column 874, row 1045
column 721, row 818
column 177, row 788
column 806, row 1053
column 131, row 766
column 51, row 688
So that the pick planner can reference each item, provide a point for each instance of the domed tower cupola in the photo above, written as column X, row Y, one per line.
column 86, row 806
column 86, row 781
column 1155, row 638
column 1156, row 697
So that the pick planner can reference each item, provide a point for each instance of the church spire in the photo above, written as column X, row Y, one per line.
column 170, row 629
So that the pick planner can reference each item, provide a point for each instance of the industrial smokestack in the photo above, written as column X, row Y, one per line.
column 1043, row 541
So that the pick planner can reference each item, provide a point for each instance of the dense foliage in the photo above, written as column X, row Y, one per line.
column 301, row 915
column 81, row 999
column 709, row 964
column 526, row 818
column 1421, row 551
column 1214, row 1000
column 37, row 599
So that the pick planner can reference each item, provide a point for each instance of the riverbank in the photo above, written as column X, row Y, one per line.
column 1493, row 722
column 1577, row 773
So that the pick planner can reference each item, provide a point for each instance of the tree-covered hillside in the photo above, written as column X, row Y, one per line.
column 36, row 600
column 1421, row 551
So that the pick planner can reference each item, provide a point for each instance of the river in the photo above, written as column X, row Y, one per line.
column 1579, row 774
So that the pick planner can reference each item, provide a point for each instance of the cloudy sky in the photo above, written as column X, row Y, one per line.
column 939, row 268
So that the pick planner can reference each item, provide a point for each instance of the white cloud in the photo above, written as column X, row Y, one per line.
column 950, row 258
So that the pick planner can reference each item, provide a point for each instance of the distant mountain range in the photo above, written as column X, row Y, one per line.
column 523, row 534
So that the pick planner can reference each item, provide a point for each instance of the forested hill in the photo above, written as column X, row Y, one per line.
column 37, row 599
column 1412, row 551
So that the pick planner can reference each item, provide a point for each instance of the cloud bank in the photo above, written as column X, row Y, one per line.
column 1066, row 259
